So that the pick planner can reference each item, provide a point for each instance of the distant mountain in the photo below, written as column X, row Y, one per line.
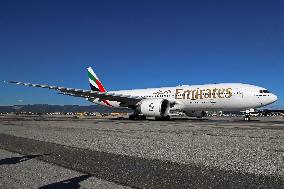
column 45, row 108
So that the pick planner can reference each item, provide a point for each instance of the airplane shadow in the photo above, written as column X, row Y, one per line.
column 73, row 183
column 15, row 160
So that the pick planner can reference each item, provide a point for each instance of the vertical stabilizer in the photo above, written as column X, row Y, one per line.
column 94, row 81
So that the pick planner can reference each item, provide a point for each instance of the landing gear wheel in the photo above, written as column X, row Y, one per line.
column 137, row 117
column 142, row 117
column 132, row 117
column 247, row 118
column 166, row 118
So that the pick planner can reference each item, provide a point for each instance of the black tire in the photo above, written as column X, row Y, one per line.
column 142, row 117
column 137, row 117
column 132, row 117
column 158, row 118
column 247, row 118
column 166, row 118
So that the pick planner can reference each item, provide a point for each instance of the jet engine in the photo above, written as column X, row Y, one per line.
column 154, row 107
column 198, row 114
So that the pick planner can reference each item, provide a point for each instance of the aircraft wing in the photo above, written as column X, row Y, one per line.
column 126, row 100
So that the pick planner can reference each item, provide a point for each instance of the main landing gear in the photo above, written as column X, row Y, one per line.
column 166, row 118
column 137, row 117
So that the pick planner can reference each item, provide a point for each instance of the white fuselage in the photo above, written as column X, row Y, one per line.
column 223, row 96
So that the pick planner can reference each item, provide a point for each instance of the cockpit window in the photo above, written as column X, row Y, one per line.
column 264, row 91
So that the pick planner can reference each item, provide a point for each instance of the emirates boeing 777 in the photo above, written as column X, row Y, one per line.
column 193, row 100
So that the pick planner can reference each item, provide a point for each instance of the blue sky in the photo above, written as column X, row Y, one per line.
column 138, row 44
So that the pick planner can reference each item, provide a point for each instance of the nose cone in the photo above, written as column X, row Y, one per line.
column 274, row 98
column 266, row 101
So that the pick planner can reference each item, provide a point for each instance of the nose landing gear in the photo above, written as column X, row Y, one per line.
column 247, row 116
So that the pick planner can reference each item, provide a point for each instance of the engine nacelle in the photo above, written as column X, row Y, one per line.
column 198, row 114
column 154, row 107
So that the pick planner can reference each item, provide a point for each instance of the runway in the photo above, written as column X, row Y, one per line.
column 109, row 153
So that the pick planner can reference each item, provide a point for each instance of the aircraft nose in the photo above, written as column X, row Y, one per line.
column 274, row 98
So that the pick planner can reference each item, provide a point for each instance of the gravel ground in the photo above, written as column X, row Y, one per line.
column 24, row 171
column 133, row 171
column 256, row 147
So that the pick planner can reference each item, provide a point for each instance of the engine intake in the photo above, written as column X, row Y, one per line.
column 154, row 107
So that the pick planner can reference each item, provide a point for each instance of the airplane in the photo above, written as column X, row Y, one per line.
column 160, row 103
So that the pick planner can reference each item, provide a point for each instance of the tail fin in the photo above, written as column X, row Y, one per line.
column 95, row 83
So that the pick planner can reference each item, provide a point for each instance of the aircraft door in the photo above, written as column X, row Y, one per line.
column 239, row 93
